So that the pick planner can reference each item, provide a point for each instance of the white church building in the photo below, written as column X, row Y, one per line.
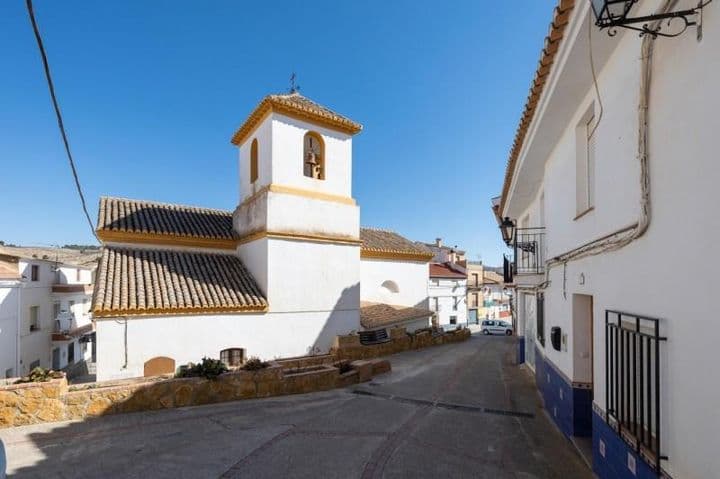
column 279, row 276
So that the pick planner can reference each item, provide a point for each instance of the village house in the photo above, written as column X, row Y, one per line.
column 496, row 300
column 281, row 275
column 608, row 194
column 474, row 270
column 45, row 296
column 448, row 294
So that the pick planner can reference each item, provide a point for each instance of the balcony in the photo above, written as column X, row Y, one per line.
column 528, row 257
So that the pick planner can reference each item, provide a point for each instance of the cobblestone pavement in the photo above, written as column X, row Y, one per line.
column 459, row 410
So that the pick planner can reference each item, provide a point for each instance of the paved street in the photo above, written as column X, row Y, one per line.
column 461, row 410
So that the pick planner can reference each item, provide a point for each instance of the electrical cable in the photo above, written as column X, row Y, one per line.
column 51, row 87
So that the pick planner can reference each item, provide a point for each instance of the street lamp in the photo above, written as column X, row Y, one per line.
column 507, row 229
column 611, row 14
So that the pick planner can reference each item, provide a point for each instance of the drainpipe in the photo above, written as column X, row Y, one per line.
column 628, row 234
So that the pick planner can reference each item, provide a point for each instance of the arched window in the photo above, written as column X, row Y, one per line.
column 254, row 161
column 313, row 156
column 390, row 286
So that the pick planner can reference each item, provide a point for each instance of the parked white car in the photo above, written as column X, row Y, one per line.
column 491, row 326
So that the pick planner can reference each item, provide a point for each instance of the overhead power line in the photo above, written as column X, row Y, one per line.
column 51, row 87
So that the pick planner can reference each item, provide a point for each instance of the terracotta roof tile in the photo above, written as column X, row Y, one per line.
column 137, row 216
column 560, row 20
column 390, row 242
column 145, row 281
column 377, row 315
column 295, row 105
column 440, row 270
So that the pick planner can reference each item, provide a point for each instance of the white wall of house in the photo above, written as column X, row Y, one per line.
column 448, row 299
column 9, row 313
column 402, row 283
column 684, row 174
column 190, row 337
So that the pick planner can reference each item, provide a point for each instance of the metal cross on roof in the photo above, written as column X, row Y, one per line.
column 294, row 88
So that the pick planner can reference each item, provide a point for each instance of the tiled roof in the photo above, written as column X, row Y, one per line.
column 440, row 270
column 388, row 242
column 136, row 216
column 295, row 105
column 145, row 281
column 377, row 315
column 560, row 20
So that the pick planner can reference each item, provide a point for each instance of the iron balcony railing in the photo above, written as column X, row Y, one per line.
column 529, row 251
column 632, row 375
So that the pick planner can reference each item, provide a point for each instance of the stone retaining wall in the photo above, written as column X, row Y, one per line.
column 348, row 347
column 51, row 401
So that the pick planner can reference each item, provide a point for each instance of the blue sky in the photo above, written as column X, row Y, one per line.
column 151, row 92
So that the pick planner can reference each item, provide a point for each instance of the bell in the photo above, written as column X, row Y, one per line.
column 311, row 159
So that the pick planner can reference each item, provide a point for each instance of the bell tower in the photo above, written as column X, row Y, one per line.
column 297, row 222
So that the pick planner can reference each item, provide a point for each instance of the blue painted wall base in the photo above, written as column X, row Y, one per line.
column 521, row 350
column 569, row 407
column 614, row 463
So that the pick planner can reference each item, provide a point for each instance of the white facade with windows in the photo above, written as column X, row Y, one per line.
column 30, row 305
column 447, row 290
column 616, row 227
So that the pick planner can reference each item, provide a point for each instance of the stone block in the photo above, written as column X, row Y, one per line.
column 8, row 399
column 398, row 332
column 7, row 416
column 98, row 407
column 347, row 379
column 364, row 369
column 380, row 366
column 346, row 341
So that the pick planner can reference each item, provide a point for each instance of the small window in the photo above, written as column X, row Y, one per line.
column 34, row 315
column 34, row 272
column 585, row 162
column 254, row 161
column 9, row 373
column 232, row 356
column 313, row 156
column 56, row 309
column 453, row 319
column 71, row 353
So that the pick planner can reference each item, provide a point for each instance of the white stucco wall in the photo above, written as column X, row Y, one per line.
column 189, row 338
column 9, row 346
column 409, row 276
column 668, row 273
column 447, row 293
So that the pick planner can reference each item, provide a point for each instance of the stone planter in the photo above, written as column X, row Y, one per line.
column 309, row 379
column 346, row 341
column 347, row 379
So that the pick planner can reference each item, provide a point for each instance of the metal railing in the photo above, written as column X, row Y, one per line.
column 529, row 251
column 632, row 375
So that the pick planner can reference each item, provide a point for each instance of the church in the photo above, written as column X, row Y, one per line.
column 279, row 276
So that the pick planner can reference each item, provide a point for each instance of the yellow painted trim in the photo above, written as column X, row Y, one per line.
column 291, row 190
column 395, row 255
column 299, row 237
column 165, row 239
column 114, row 313
column 274, row 105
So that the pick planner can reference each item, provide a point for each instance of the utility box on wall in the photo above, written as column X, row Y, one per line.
column 555, row 337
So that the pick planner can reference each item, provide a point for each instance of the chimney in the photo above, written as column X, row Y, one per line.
column 438, row 242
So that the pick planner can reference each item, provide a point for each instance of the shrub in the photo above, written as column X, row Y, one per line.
column 254, row 364
column 39, row 375
column 208, row 368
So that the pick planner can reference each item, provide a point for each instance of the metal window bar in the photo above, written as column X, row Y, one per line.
column 632, row 378
column 529, row 251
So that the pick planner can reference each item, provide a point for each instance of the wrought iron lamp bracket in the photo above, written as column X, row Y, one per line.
column 687, row 18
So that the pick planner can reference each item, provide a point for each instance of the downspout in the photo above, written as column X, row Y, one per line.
column 624, row 236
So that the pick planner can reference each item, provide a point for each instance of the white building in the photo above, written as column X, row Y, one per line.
column 448, row 294
column 44, row 309
column 280, row 276
column 612, row 187
column 496, row 301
